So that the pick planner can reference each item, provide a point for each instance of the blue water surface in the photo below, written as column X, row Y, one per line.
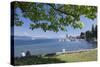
column 45, row 46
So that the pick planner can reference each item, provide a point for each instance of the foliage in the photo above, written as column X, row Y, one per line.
column 36, row 60
column 94, row 31
column 53, row 17
column 82, row 35
column 28, row 53
column 91, row 34
column 88, row 35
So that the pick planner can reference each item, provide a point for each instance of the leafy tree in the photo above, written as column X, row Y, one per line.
column 52, row 17
column 82, row 35
column 88, row 35
column 28, row 53
column 91, row 35
column 95, row 31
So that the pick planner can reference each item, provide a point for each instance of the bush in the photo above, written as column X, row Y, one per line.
column 28, row 53
column 52, row 54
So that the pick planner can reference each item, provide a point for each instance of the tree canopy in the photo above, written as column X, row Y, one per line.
column 90, row 34
column 53, row 17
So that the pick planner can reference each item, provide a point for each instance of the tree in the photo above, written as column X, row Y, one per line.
column 88, row 35
column 96, row 31
column 82, row 35
column 58, row 16
column 28, row 53
column 91, row 35
column 93, row 31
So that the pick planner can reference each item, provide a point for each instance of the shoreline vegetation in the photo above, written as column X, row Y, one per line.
column 68, row 56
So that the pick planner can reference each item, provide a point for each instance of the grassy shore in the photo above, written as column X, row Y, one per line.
column 90, row 55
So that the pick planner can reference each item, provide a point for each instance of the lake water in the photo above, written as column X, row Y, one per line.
column 44, row 46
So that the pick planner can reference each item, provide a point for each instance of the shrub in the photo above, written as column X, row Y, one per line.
column 28, row 53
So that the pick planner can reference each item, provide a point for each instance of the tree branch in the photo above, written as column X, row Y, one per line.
column 61, row 10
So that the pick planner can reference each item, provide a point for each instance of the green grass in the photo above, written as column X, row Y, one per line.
column 79, row 57
column 63, row 58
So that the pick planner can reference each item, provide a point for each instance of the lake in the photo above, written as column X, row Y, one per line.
column 45, row 46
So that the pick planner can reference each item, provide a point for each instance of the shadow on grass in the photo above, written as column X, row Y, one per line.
column 36, row 60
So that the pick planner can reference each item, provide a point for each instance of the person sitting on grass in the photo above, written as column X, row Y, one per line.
column 23, row 54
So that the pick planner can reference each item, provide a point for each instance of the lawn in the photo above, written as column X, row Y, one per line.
column 62, row 58
column 79, row 57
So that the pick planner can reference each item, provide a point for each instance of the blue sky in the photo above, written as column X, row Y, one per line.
column 25, row 31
